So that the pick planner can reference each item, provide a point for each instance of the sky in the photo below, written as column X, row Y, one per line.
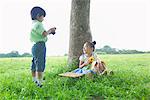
column 122, row 24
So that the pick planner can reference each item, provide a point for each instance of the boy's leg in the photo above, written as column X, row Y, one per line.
column 40, row 78
column 34, row 78
column 33, row 74
column 41, row 62
column 33, row 71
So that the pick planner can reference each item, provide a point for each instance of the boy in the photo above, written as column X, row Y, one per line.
column 38, row 35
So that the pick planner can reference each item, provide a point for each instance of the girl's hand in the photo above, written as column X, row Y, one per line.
column 80, row 66
column 84, row 64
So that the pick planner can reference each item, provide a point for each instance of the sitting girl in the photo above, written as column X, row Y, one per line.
column 89, row 63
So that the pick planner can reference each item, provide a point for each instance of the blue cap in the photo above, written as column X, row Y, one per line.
column 37, row 11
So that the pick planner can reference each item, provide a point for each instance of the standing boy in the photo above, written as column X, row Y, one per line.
column 38, row 36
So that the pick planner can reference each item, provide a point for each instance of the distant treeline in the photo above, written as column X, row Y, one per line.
column 109, row 50
column 105, row 50
column 15, row 54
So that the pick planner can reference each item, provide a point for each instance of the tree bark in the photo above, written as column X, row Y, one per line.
column 79, row 29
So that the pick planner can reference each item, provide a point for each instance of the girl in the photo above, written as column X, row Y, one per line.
column 89, row 63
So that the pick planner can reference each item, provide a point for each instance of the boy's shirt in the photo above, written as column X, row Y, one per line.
column 37, row 31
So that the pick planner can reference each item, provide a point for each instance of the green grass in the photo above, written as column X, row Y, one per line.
column 131, row 80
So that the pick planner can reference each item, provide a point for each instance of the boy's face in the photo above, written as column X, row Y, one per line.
column 40, row 18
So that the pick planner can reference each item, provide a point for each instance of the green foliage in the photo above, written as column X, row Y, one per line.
column 131, row 80
column 14, row 54
column 109, row 50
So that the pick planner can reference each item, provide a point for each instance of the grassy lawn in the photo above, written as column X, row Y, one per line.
column 131, row 80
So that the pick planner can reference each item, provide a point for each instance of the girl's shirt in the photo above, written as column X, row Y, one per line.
column 37, row 31
column 85, row 58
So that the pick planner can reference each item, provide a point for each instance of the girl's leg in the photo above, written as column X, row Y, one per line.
column 78, row 70
column 101, row 66
column 98, row 67
column 93, row 66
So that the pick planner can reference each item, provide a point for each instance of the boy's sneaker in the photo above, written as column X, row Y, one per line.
column 43, row 78
column 35, row 81
column 39, row 85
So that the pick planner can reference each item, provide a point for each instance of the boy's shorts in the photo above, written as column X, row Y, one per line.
column 39, row 54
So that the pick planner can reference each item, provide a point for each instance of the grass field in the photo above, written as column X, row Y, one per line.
column 131, row 80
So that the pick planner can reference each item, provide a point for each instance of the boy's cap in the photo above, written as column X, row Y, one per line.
column 37, row 11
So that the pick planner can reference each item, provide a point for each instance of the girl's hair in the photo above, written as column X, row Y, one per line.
column 91, row 44
column 37, row 11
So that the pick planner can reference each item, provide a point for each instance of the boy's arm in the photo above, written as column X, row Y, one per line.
column 45, row 33
column 49, row 31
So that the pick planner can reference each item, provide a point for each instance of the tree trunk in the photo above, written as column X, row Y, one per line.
column 79, row 29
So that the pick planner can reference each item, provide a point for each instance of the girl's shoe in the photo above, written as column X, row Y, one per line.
column 104, row 72
column 111, row 72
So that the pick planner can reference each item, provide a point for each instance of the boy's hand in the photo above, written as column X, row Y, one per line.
column 51, row 30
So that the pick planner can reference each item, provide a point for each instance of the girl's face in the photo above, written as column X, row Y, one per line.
column 41, row 18
column 87, row 49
